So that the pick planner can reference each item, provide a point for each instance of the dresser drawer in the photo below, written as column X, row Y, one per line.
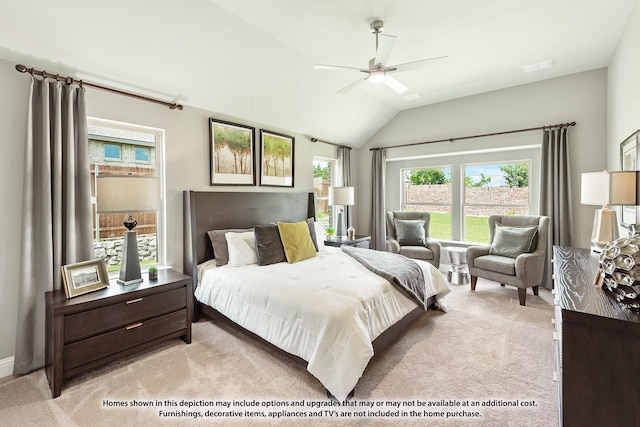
column 99, row 346
column 86, row 324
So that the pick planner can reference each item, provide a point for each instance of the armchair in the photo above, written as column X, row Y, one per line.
column 516, row 254
column 408, row 234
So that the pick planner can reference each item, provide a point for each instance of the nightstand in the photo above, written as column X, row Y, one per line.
column 359, row 241
column 94, row 329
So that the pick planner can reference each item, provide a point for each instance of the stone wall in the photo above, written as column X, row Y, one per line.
column 111, row 249
column 435, row 194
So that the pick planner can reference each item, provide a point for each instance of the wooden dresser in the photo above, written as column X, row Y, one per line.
column 597, row 347
column 99, row 327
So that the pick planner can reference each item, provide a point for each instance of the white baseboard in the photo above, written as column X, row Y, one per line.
column 6, row 367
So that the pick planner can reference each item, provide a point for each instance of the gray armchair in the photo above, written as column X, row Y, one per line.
column 409, row 240
column 515, row 256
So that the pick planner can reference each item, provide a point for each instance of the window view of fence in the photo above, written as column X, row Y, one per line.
column 429, row 190
column 322, row 180
column 500, row 188
column 116, row 151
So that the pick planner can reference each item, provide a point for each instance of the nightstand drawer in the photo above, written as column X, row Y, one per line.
column 93, row 322
column 91, row 349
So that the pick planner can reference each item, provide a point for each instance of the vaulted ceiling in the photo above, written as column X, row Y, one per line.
column 254, row 59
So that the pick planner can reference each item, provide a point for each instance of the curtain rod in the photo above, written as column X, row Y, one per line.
column 559, row 125
column 70, row 80
column 312, row 139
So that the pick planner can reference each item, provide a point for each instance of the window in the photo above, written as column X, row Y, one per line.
column 460, row 188
column 429, row 190
column 142, row 154
column 323, row 178
column 112, row 151
column 126, row 149
column 494, row 188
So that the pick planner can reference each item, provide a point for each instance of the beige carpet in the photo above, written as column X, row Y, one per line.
column 486, row 349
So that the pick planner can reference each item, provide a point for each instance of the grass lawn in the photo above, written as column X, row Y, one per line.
column 476, row 227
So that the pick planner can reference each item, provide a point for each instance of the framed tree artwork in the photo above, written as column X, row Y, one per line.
column 277, row 159
column 232, row 155
column 629, row 158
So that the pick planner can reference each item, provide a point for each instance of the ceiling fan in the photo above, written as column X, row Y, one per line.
column 378, row 71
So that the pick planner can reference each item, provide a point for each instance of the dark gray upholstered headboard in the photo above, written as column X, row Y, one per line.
column 208, row 210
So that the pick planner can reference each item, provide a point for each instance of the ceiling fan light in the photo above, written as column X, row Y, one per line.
column 377, row 76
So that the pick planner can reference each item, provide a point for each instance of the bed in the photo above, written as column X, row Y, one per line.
column 329, row 312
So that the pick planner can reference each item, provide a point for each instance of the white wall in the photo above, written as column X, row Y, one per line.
column 624, row 90
column 187, row 168
column 580, row 97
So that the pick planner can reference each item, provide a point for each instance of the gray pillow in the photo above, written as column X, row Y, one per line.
column 268, row 244
column 312, row 231
column 219, row 242
column 512, row 241
column 410, row 232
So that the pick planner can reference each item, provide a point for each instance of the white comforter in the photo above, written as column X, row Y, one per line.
column 326, row 310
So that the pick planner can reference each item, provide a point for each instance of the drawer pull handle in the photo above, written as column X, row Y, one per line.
column 134, row 300
column 135, row 325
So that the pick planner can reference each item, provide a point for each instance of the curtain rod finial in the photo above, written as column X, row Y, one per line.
column 21, row 68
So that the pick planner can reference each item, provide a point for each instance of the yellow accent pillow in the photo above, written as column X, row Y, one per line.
column 296, row 241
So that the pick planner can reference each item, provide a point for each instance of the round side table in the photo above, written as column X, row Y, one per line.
column 458, row 273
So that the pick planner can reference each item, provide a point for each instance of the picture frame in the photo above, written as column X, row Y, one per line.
column 629, row 161
column 84, row 277
column 277, row 159
column 232, row 153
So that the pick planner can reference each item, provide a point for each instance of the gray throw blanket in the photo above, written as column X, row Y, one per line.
column 404, row 273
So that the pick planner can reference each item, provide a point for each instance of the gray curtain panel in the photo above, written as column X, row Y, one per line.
column 378, row 172
column 56, row 226
column 555, row 191
column 344, row 164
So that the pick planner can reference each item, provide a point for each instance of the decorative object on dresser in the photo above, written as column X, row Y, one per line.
column 596, row 339
column 619, row 271
column 341, row 197
column 128, row 194
column 83, row 277
column 153, row 273
column 98, row 328
column 607, row 189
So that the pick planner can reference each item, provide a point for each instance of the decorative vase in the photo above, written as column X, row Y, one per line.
column 619, row 271
column 153, row 275
column 351, row 233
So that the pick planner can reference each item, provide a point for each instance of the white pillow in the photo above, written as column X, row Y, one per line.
column 242, row 248
column 319, row 235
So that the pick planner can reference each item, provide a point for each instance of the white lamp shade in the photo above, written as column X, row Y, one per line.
column 609, row 188
column 341, row 196
column 623, row 188
column 126, row 194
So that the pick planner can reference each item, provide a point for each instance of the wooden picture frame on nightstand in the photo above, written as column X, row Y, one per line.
column 84, row 277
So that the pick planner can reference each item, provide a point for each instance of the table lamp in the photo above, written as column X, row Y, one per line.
column 341, row 197
column 128, row 194
column 604, row 189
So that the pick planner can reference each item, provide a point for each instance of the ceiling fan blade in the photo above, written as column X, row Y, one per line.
column 351, row 86
column 395, row 84
column 415, row 65
column 338, row 68
column 385, row 45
